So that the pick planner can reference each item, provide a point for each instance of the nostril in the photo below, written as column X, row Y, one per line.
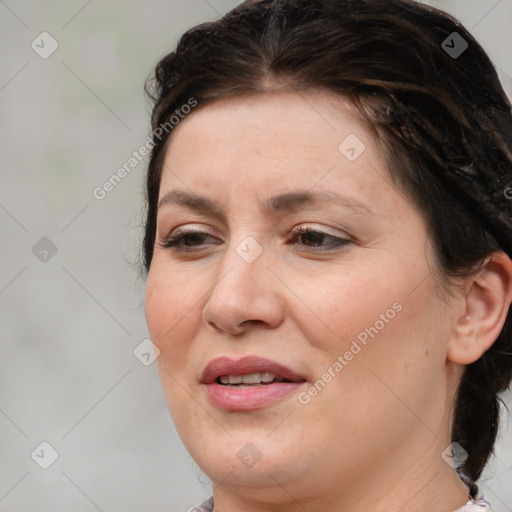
column 211, row 324
column 252, row 322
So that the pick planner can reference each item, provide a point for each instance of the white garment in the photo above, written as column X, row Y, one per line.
column 476, row 505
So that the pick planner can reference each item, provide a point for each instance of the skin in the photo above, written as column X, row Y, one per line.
column 372, row 438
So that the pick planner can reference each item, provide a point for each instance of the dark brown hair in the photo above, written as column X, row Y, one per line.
column 438, row 117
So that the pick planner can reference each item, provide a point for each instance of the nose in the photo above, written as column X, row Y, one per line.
column 245, row 296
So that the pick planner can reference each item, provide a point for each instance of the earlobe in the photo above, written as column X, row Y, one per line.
column 487, row 302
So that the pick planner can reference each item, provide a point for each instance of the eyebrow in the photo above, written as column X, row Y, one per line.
column 274, row 204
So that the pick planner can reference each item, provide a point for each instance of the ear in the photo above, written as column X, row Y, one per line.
column 488, row 295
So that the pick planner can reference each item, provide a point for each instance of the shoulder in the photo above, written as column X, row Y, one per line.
column 476, row 505
column 206, row 506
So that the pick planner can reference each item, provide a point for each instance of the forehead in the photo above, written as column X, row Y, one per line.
column 300, row 112
column 274, row 133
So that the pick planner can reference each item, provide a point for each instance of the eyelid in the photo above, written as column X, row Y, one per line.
column 191, row 228
column 195, row 228
column 322, row 229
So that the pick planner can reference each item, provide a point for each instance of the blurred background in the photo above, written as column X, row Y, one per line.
column 83, row 421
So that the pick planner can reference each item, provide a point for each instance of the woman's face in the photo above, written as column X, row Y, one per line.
column 347, row 315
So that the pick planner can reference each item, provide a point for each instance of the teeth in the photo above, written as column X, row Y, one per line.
column 251, row 378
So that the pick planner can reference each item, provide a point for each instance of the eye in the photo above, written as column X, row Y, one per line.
column 313, row 238
column 183, row 239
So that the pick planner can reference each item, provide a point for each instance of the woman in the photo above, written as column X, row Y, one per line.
column 328, row 244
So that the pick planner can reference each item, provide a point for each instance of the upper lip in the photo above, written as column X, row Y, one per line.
column 244, row 366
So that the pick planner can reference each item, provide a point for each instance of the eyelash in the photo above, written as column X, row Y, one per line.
column 174, row 242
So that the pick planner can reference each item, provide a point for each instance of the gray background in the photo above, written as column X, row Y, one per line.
column 69, row 325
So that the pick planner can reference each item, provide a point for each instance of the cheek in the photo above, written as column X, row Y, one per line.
column 173, row 317
column 387, row 361
column 339, row 305
column 172, row 309
column 384, row 317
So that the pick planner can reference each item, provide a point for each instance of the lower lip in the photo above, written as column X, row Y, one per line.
column 249, row 398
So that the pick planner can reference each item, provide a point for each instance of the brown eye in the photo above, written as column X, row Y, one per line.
column 184, row 239
column 313, row 238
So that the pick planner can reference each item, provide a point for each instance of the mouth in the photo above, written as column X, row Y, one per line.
column 248, row 371
column 248, row 383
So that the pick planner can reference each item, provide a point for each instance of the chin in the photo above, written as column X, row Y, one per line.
column 249, row 457
column 265, row 473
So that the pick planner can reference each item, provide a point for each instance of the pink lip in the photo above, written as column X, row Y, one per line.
column 249, row 398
